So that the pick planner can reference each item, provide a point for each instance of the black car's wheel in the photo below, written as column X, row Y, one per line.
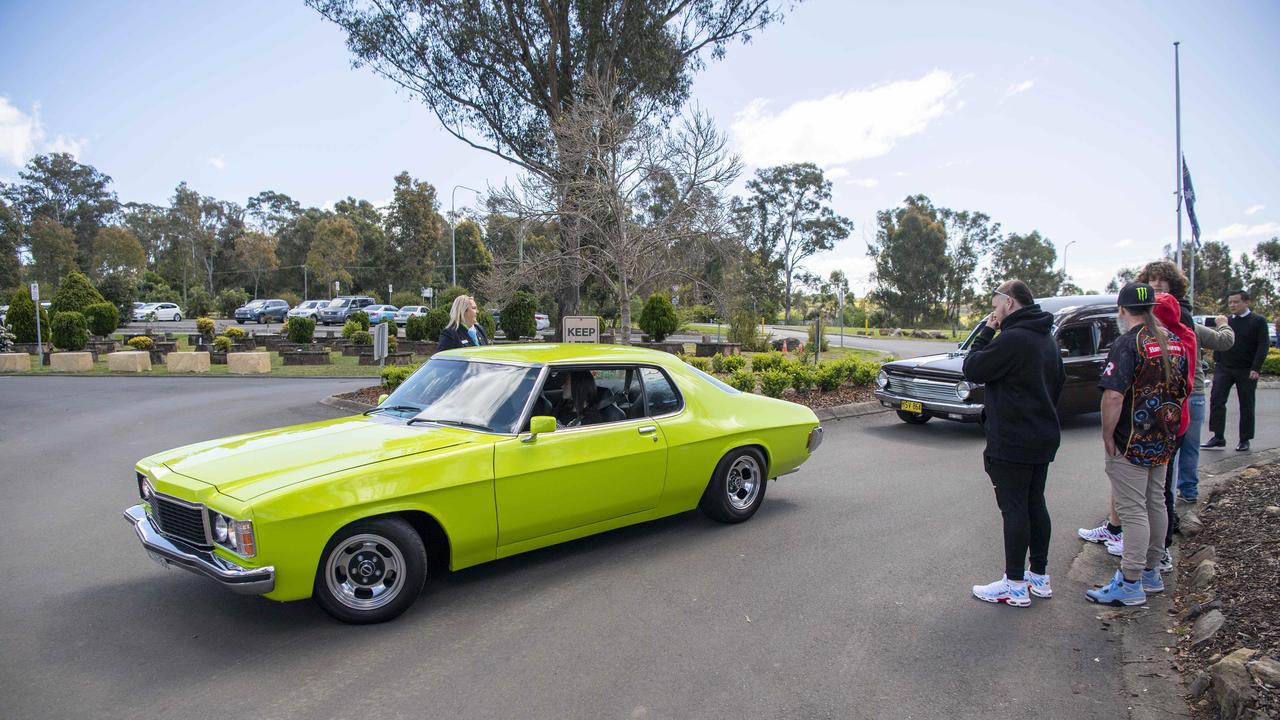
column 371, row 571
column 913, row 418
column 737, row 487
column 239, row 321
column 261, row 318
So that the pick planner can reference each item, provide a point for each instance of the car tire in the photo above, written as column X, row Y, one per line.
column 177, row 317
column 371, row 550
column 913, row 418
column 239, row 321
column 737, row 487
column 262, row 319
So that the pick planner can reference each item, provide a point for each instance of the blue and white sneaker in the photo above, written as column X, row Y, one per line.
column 1039, row 584
column 1004, row 590
column 1099, row 534
column 1151, row 581
column 1118, row 592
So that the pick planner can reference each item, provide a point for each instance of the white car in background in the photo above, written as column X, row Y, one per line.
column 163, row 311
column 408, row 311
column 308, row 309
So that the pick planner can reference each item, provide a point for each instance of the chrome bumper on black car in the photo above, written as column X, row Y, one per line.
column 168, row 551
column 963, row 412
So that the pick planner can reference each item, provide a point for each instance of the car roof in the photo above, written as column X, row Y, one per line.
column 542, row 353
column 1068, row 303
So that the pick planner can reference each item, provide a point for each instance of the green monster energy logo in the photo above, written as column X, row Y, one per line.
column 1142, row 293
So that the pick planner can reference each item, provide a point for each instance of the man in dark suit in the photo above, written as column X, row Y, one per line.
column 1240, row 366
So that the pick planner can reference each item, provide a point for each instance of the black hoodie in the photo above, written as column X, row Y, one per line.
column 1022, row 371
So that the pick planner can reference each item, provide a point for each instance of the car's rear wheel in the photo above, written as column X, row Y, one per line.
column 737, row 487
column 911, row 418
column 261, row 318
column 371, row 571
column 177, row 317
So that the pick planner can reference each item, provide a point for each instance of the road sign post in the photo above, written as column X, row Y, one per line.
column 380, row 342
column 580, row 328
column 35, row 298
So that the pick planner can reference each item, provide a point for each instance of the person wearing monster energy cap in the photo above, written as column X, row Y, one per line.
column 1143, row 383
column 1022, row 370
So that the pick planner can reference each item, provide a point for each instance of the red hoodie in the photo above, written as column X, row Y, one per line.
column 1169, row 313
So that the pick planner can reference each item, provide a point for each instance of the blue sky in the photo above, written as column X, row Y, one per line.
column 1050, row 117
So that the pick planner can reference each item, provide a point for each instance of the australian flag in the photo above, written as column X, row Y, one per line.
column 1189, row 197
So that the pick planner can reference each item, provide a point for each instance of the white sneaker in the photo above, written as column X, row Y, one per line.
column 1166, row 562
column 1116, row 547
column 1004, row 590
column 1039, row 584
column 1099, row 534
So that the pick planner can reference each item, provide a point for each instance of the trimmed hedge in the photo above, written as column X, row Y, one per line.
column 142, row 342
column 204, row 326
column 74, row 294
column 360, row 317
column 235, row 333
column 103, row 318
column 222, row 343
column 517, row 317
column 301, row 330
column 771, row 360
column 733, row 363
column 362, row 337
column 659, row 319
column 394, row 375
column 21, row 318
column 350, row 328
column 70, row 331
column 1271, row 365
column 773, row 382
column 743, row 380
column 416, row 328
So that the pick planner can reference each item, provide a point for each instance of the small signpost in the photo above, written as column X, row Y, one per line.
column 428, row 294
column 580, row 328
column 841, row 291
column 35, row 298
column 380, row 333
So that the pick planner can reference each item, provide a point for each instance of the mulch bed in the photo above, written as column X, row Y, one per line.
column 814, row 398
column 1247, row 582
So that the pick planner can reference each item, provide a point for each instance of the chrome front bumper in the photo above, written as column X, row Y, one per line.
column 245, row 581
column 966, row 412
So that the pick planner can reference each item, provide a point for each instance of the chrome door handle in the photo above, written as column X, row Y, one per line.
column 648, row 429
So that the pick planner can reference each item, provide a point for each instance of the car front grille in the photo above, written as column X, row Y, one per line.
column 178, row 520
column 923, row 389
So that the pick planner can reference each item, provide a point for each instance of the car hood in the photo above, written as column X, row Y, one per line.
column 246, row 466
column 943, row 366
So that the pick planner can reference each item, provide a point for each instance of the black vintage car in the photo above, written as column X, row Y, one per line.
column 934, row 386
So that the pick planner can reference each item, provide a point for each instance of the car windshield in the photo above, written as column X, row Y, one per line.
column 479, row 395
column 337, row 302
column 255, row 303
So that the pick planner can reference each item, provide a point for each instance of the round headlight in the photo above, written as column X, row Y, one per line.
column 146, row 491
column 220, row 528
column 963, row 388
column 882, row 379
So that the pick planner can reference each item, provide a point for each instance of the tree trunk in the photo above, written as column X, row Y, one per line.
column 624, row 309
column 787, row 320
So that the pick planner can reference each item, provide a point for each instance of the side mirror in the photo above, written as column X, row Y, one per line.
column 382, row 398
column 539, row 424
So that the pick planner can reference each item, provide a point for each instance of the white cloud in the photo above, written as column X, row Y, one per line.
column 1018, row 88
column 897, row 174
column 833, row 174
column 66, row 144
column 844, row 126
column 1254, row 209
column 1240, row 231
column 217, row 162
column 22, row 136
column 864, row 182
column 1122, row 244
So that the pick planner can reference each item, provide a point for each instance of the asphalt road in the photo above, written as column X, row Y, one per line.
column 898, row 347
column 847, row 596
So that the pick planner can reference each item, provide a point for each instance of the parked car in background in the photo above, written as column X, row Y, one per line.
column 408, row 311
column 544, row 322
column 4, row 311
column 308, row 309
column 466, row 462
column 336, row 312
column 378, row 313
column 261, row 311
column 932, row 386
column 163, row 311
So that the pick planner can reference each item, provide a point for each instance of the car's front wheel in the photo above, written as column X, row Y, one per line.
column 261, row 318
column 239, row 321
column 911, row 418
column 371, row 571
column 737, row 487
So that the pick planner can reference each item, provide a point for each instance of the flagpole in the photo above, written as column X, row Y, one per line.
column 1177, row 114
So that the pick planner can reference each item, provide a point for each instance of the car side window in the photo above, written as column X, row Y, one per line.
column 1108, row 331
column 1077, row 340
column 660, row 394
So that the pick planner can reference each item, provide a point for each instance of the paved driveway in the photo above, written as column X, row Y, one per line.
column 845, row 597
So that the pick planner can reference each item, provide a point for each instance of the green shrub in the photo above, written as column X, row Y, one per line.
column 301, row 330
column 436, row 320
column 803, row 377
column 103, row 318
column 361, row 318
column 485, row 320
column 293, row 298
column 393, row 342
column 394, row 375
column 199, row 303
column 204, row 325
column 230, row 299
column 222, row 343
column 773, row 382
column 697, row 314
column 416, row 329
column 771, row 360
column 703, row 364
column 1271, row 365
column 404, row 297
column 813, row 335
column 734, row 363
column 362, row 337
column 21, row 318
column 830, row 376
column 517, row 316
column 448, row 295
column 235, row 333
column 717, row 362
column 70, row 331
column 743, row 326
column 658, row 319
column 743, row 380
column 74, row 294
column 350, row 328
column 142, row 342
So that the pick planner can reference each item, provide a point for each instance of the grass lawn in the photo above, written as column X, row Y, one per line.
column 875, row 332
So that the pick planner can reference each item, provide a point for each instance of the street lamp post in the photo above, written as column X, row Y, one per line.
column 1064, row 259
column 453, row 226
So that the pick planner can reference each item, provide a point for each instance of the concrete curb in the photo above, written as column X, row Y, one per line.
column 852, row 410
column 1147, row 642
column 351, row 406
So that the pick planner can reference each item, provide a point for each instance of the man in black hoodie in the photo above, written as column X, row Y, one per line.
column 1022, row 371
